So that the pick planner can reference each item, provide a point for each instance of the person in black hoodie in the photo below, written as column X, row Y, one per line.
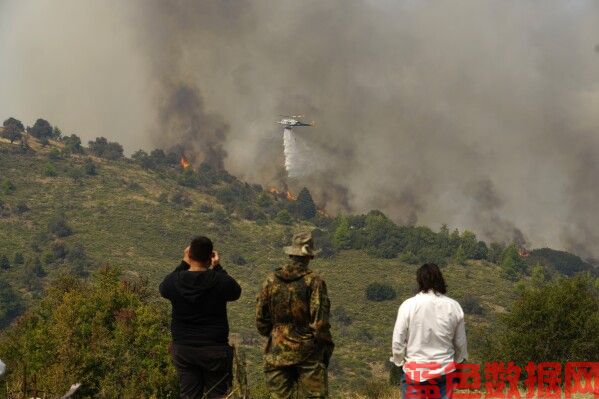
column 199, row 289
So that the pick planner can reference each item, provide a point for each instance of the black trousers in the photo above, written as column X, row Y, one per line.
column 204, row 372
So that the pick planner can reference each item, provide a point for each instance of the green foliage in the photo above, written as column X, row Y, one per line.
column 72, row 144
column 342, row 238
column 13, row 130
column 106, row 335
column 512, row 264
column 495, row 252
column 380, row 292
column 283, row 217
column 304, row 207
column 557, row 321
column 41, row 130
column 264, row 200
column 563, row 262
column 103, row 148
column 15, row 123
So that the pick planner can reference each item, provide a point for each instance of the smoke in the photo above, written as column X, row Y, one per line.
column 478, row 114
column 184, row 124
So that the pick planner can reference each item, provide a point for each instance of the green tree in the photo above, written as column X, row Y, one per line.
column 495, row 252
column 511, row 262
column 41, row 130
column 13, row 129
column 304, row 205
column 103, row 148
column 469, row 244
column 17, row 124
column 459, row 257
column 557, row 321
column 342, row 238
column 72, row 144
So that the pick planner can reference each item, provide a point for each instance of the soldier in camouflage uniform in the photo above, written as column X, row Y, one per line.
column 292, row 310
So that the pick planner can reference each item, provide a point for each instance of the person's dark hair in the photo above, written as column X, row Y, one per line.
column 429, row 277
column 201, row 249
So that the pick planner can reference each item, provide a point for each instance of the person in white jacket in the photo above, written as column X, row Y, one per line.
column 429, row 337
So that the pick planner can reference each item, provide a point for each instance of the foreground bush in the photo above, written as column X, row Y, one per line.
column 107, row 335
column 380, row 292
column 557, row 321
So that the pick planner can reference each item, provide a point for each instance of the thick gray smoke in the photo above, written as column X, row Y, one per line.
column 479, row 114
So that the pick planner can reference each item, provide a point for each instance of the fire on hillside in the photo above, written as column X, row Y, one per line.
column 285, row 194
column 184, row 162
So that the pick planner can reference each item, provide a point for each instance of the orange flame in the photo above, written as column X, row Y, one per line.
column 523, row 252
column 282, row 194
column 184, row 162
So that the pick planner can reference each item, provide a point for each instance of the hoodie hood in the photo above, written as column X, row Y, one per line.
column 194, row 285
column 294, row 270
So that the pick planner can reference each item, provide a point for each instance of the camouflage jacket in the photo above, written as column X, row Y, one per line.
column 292, row 310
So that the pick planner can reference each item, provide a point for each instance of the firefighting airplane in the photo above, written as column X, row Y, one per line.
column 291, row 121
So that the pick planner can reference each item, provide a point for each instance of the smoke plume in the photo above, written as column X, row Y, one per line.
column 478, row 114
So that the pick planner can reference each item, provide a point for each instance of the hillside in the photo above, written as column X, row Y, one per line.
column 72, row 212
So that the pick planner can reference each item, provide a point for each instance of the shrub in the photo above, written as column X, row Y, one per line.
column 471, row 305
column 4, row 262
column 49, row 170
column 238, row 259
column 380, row 292
column 283, row 217
column 181, row 198
column 18, row 259
column 555, row 322
column 341, row 316
column 59, row 227
column 7, row 186
column 90, row 167
column 21, row 208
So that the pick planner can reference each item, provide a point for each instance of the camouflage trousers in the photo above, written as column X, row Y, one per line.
column 308, row 379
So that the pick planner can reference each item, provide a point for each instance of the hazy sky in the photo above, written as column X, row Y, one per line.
column 479, row 114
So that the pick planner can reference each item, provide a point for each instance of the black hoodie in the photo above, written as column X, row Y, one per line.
column 199, row 301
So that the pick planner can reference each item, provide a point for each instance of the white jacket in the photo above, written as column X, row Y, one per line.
column 429, row 329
